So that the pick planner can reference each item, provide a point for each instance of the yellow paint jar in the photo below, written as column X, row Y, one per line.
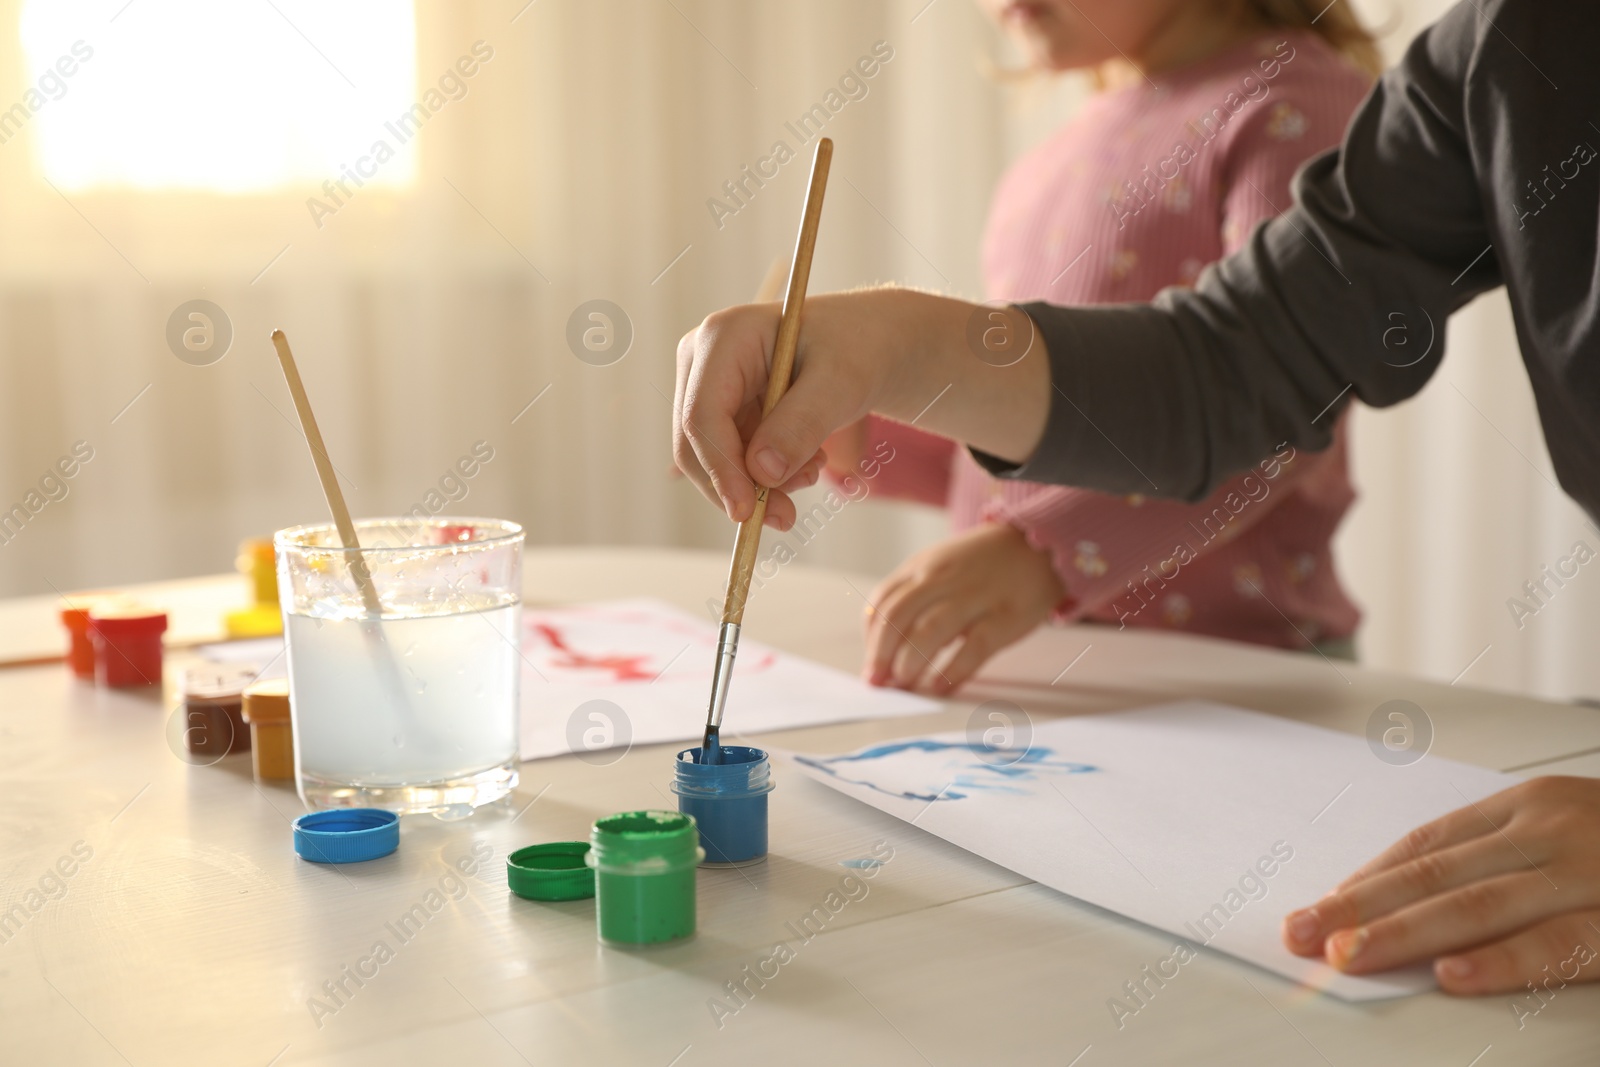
column 266, row 709
column 262, row 618
column 256, row 562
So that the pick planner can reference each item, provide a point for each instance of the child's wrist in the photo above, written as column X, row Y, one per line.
column 1064, row 602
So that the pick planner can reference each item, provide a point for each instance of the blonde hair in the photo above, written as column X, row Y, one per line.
column 1335, row 23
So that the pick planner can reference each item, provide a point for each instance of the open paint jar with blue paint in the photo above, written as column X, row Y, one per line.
column 728, row 801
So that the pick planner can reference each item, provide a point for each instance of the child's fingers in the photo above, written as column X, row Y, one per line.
column 982, row 640
column 721, row 371
column 816, row 404
column 713, row 439
column 882, row 639
column 807, row 476
column 1459, row 826
column 935, row 627
column 912, row 662
column 780, row 511
column 1305, row 931
column 1546, row 949
column 683, row 453
column 892, row 616
column 1460, row 918
column 869, row 611
column 688, row 464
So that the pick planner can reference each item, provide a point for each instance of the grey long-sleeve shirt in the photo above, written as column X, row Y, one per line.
column 1471, row 165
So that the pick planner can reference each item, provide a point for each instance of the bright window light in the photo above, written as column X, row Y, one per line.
column 222, row 96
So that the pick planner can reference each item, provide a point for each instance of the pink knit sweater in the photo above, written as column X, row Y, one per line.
column 1141, row 190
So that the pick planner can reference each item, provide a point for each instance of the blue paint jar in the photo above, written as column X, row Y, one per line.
column 728, row 801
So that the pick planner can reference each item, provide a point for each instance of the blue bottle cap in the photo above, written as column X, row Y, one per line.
column 346, row 835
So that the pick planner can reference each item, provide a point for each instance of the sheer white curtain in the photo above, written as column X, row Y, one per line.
column 578, row 166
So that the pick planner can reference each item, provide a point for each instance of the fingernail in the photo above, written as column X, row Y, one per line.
column 768, row 464
column 1304, row 926
column 1347, row 946
column 1457, row 967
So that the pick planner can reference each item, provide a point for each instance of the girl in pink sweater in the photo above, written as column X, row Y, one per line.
column 1208, row 109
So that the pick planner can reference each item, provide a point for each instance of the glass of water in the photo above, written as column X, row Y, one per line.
column 412, row 708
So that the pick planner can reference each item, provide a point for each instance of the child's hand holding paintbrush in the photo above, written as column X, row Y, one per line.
column 748, row 542
column 770, row 289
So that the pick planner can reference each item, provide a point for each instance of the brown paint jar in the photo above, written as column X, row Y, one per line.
column 213, row 707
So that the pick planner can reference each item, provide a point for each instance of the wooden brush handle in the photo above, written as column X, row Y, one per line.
column 326, row 475
column 748, row 543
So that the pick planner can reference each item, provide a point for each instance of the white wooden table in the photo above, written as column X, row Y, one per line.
column 192, row 933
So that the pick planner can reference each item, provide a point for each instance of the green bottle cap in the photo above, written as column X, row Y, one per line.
column 554, row 871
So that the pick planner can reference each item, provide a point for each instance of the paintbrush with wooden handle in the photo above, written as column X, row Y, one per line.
column 748, row 542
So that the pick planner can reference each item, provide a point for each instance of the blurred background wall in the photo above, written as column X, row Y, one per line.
column 195, row 155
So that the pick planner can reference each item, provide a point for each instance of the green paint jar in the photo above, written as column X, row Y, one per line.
column 644, row 864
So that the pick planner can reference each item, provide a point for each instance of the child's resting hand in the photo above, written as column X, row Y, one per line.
column 984, row 589
column 1498, row 894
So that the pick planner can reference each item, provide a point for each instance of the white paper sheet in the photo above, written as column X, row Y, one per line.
column 1163, row 814
column 265, row 653
column 601, row 676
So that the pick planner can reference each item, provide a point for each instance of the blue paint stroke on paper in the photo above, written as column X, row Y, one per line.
column 924, row 769
column 864, row 864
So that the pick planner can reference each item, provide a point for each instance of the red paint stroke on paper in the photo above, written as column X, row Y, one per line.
column 640, row 667
column 622, row 668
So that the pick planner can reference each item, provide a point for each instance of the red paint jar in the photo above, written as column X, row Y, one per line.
column 127, row 645
column 75, row 613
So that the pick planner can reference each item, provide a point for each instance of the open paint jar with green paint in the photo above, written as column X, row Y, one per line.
column 644, row 864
